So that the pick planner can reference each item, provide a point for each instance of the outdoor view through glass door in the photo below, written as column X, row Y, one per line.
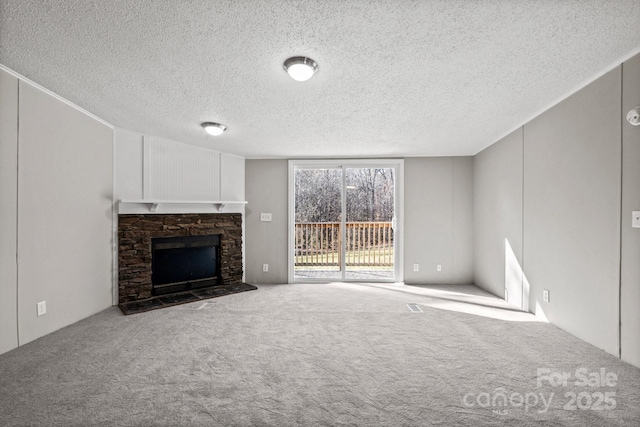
column 344, row 223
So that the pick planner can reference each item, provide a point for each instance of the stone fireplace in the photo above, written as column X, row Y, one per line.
column 140, row 234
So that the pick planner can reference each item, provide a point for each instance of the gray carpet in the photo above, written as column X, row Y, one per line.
column 317, row 354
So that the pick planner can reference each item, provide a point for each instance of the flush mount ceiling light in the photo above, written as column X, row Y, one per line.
column 214, row 129
column 301, row 68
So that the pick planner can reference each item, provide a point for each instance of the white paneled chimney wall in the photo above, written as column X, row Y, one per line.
column 148, row 167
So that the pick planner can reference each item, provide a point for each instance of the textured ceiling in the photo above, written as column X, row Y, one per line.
column 396, row 78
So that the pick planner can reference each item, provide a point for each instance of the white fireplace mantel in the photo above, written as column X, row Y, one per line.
column 126, row 206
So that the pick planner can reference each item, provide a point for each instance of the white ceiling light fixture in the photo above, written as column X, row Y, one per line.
column 301, row 68
column 214, row 129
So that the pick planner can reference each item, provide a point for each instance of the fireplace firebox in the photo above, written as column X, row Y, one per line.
column 184, row 263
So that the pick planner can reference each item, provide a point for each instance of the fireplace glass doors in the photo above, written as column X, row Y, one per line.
column 184, row 263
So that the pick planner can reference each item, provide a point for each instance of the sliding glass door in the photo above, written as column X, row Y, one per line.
column 344, row 220
column 369, row 223
column 318, row 215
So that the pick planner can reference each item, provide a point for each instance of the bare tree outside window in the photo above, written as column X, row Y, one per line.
column 370, row 194
column 318, row 196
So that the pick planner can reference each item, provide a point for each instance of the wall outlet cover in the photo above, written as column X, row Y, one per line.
column 41, row 308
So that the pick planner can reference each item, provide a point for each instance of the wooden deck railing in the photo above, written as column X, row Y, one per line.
column 368, row 244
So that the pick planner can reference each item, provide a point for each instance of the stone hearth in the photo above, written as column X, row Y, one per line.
column 135, row 232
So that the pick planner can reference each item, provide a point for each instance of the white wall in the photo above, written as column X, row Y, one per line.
column 438, row 214
column 129, row 165
column 462, row 221
column 266, row 242
column 232, row 176
column 572, row 174
column 498, row 218
column 8, row 211
column 567, row 183
column 174, row 171
column 438, row 217
column 630, row 265
column 64, row 204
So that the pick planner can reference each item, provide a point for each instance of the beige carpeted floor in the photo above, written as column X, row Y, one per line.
column 318, row 354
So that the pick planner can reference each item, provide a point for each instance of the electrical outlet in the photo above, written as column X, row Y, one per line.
column 635, row 223
column 265, row 267
column 439, row 267
column 266, row 217
column 42, row 308
column 545, row 295
column 416, row 267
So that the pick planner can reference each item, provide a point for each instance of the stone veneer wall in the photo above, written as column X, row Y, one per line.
column 134, row 246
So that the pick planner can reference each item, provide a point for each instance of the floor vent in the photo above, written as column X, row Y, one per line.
column 205, row 306
column 415, row 308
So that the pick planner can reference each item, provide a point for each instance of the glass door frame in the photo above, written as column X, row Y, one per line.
column 398, row 240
